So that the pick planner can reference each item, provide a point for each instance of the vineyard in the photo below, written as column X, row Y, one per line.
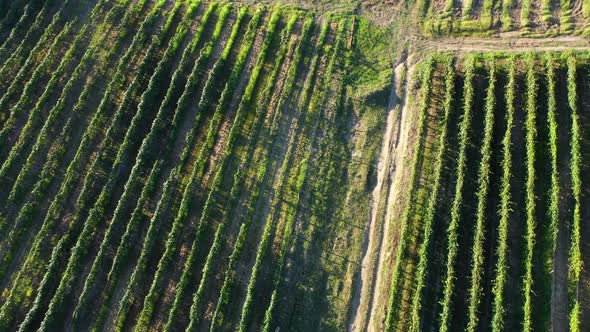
column 530, row 17
column 221, row 166
column 495, row 238
column 157, row 162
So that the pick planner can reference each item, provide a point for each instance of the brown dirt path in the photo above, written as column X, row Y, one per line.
column 507, row 42
column 371, row 261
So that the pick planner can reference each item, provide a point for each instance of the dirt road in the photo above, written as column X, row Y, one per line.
column 503, row 43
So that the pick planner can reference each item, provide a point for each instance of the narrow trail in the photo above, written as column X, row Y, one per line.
column 371, row 261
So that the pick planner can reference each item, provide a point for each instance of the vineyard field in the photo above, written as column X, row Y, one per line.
column 293, row 165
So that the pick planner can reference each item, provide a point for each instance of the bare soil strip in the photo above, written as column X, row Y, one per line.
column 372, row 241
column 507, row 42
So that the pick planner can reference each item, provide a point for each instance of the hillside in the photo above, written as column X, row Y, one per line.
column 302, row 165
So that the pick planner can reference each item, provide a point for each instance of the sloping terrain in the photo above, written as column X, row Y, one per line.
column 492, row 237
column 161, row 164
column 301, row 166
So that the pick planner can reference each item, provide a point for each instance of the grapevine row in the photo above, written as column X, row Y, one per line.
column 209, row 88
column 424, row 250
column 452, row 230
column 499, row 281
column 20, row 79
column 228, row 151
column 70, row 237
column 42, row 141
column 268, row 228
column 164, row 201
column 34, row 116
column 555, row 190
column 141, row 159
column 72, row 171
column 19, row 25
column 25, row 40
column 531, row 134
column 5, row 131
column 575, row 254
column 218, row 315
column 60, row 38
column 181, row 217
column 482, row 196
column 312, row 127
column 125, row 303
column 98, row 211
column 42, row 137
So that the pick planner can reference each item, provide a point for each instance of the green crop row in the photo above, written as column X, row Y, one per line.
column 208, row 90
column 575, row 254
column 182, row 216
column 194, row 314
column 35, row 114
column 96, row 214
column 32, row 206
column 19, row 228
column 266, row 239
column 36, row 51
column 8, row 306
column 142, row 158
column 482, row 196
column 163, row 203
column 12, row 13
column 505, row 203
column 37, row 152
column 452, row 230
column 311, row 128
column 531, row 134
column 24, row 42
column 229, row 276
column 430, row 213
column 84, row 239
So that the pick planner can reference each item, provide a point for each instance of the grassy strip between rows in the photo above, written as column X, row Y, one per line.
column 425, row 94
